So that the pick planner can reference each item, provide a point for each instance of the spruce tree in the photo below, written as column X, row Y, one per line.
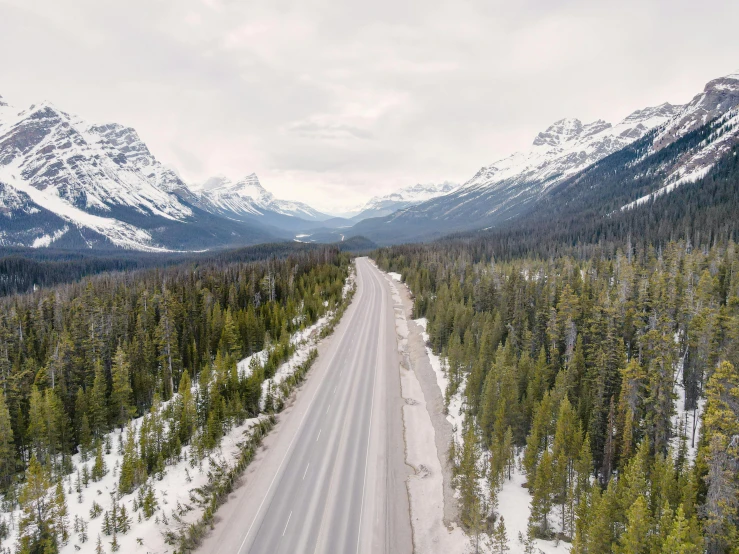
column 7, row 446
column 97, row 405
column 469, row 474
column 542, row 494
column 121, row 396
column 36, row 527
column 99, row 468
column 684, row 537
column 635, row 539
column 498, row 542
column 60, row 514
column 720, row 452
column 133, row 470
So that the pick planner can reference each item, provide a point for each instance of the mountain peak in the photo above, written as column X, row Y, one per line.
column 718, row 97
column 559, row 132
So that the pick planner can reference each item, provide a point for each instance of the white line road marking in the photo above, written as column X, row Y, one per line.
column 334, row 390
column 319, row 435
column 288, row 523
column 306, row 471
column 329, row 407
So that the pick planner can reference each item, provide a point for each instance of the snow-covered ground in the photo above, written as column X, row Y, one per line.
column 685, row 422
column 172, row 492
column 514, row 501
column 304, row 341
column 425, row 487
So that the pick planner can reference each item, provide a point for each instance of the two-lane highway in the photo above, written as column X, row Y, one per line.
column 331, row 479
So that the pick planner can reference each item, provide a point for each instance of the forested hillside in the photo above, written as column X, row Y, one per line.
column 606, row 374
column 80, row 360
column 25, row 269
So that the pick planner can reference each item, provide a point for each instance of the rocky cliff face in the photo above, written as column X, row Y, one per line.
column 718, row 97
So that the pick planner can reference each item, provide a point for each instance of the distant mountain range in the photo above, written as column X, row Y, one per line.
column 379, row 206
column 526, row 182
column 68, row 183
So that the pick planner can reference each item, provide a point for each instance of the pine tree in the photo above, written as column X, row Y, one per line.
column 721, row 455
column 60, row 514
column 97, row 405
column 121, row 396
column 85, row 437
column 123, row 523
column 469, row 474
column 600, row 532
column 635, row 539
column 542, row 494
column 99, row 468
column 167, row 340
column 133, row 470
column 38, row 432
column 149, row 504
column 498, row 542
column 36, row 524
column 99, row 546
column 186, row 410
column 7, row 446
column 684, row 537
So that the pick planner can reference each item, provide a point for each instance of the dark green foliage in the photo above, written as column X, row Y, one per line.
column 580, row 357
column 81, row 359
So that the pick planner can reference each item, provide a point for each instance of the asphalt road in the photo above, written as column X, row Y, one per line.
column 331, row 476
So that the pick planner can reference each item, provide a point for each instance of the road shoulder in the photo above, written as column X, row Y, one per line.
column 434, row 529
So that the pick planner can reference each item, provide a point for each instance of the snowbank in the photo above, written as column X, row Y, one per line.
column 425, row 487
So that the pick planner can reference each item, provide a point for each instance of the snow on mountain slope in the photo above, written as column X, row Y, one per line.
column 718, row 97
column 247, row 197
column 698, row 162
column 379, row 206
column 514, row 185
column 84, row 174
column 117, row 139
column 565, row 148
column 508, row 187
column 717, row 104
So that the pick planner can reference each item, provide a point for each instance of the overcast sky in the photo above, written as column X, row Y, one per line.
column 331, row 101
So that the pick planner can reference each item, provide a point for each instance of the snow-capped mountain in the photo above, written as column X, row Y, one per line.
column 717, row 106
column 65, row 181
column 248, row 198
column 379, row 206
column 718, row 97
column 511, row 186
column 565, row 148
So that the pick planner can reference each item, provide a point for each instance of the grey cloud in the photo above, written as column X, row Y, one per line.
column 327, row 99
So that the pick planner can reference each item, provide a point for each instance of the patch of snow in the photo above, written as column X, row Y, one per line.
column 45, row 240
column 173, row 491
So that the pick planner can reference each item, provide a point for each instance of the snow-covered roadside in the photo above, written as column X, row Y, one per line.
column 304, row 341
column 425, row 488
column 173, row 492
column 176, row 489
column 514, row 501
column 454, row 410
